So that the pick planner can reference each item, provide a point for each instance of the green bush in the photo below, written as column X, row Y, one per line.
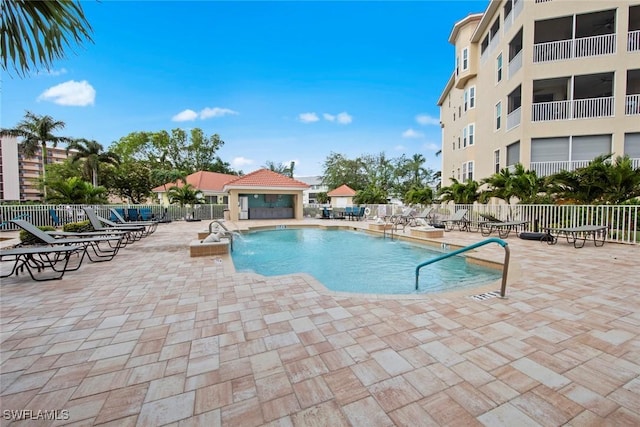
column 78, row 227
column 29, row 239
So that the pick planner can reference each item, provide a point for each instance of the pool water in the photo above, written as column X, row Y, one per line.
column 351, row 261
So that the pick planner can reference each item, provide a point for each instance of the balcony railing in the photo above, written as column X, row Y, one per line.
column 550, row 168
column 574, row 48
column 632, row 105
column 515, row 64
column 514, row 118
column 633, row 41
column 572, row 109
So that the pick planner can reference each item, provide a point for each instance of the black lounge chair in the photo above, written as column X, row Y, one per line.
column 100, row 253
column 134, row 232
column 41, row 258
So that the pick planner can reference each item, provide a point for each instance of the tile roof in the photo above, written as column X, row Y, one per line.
column 203, row 181
column 265, row 178
column 343, row 191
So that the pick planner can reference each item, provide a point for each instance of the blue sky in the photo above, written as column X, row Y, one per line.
column 278, row 81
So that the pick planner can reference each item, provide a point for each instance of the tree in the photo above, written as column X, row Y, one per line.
column 370, row 196
column 340, row 170
column 35, row 33
column 36, row 131
column 419, row 196
column 459, row 192
column 131, row 180
column 185, row 194
column 75, row 191
column 93, row 155
column 521, row 184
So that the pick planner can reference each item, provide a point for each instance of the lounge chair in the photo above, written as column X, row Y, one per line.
column 579, row 234
column 458, row 219
column 100, row 252
column 146, row 214
column 40, row 258
column 503, row 228
column 152, row 225
column 425, row 216
column 133, row 214
column 135, row 232
column 55, row 218
column 402, row 219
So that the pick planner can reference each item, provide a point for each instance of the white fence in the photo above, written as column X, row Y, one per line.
column 623, row 221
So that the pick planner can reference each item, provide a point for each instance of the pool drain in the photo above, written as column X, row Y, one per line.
column 486, row 295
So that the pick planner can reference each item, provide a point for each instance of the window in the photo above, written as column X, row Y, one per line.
column 499, row 68
column 464, row 171
column 513, row 153
column 464, row 137
column 470, row 170
column 472, row 97
column 632, row 145
column 472, row 128
column 466, row 100
column 458, row 174
column 496, row 161
column 458, row 143
column 457, row 65
column 453, row 145
column 465, row 59
column 498, row 115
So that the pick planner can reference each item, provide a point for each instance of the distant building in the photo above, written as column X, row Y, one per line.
column 342, row 196
column 19, row 174
column 211, row 184
column 310, row 196
column 550, row 84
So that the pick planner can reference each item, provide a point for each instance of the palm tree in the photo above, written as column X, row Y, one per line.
column 93, row 154
column 35, row 33
column 459, row 192
column 280, row 168
column 186, row 194
column 75, row 191
column 36, row 131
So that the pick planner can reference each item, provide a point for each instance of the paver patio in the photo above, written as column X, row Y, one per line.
column 155, row 337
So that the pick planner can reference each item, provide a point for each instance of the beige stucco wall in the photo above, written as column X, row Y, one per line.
column 341, row 201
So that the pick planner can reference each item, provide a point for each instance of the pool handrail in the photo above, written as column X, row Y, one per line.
column 226, row 232
column 505, row 265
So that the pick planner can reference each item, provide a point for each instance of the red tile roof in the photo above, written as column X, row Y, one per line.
column 265, row 178
column 343, row 191
column 203, row 181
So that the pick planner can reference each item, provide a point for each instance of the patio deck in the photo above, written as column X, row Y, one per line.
column 158, row 338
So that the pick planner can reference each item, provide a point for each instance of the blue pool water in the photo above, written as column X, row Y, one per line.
column 350, row 261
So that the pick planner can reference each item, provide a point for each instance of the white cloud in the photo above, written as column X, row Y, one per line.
column 185, row 116
column 329, row 117
column 410, row 133
column 73, row 93
column 425, row 119
column 344, row 118
column 239, row 162
column 308, row 117
column 215, row 112
column 432, row 146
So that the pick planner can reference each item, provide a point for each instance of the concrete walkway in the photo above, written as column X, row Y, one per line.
column 155, row 337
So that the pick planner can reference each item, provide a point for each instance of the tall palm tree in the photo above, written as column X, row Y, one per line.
column 186, row 194
column 93, row 154
column 36, row 131
column 35, row 33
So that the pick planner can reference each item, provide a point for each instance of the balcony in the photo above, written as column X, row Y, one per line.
column 633, row 41
column 515, row 64
column 514, row 118
column 574, row 48
column 632, row 105
column 550, row 168
column 573, row 109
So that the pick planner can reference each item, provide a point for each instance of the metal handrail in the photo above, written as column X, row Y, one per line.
column 505, row 266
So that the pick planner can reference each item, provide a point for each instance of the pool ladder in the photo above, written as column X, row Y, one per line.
column 505, row 265
column 226, row 232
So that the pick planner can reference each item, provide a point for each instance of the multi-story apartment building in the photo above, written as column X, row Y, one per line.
column 19, row 174
column 549, row 84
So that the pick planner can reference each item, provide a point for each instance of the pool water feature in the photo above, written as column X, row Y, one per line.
column 352, row 261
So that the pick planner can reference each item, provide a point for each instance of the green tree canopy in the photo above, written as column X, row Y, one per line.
column 461, row 192
column 185, row 194
column 75, row 191
column 91, row 154
column 33, row 34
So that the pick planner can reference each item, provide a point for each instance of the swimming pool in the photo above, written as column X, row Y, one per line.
column 350, row 261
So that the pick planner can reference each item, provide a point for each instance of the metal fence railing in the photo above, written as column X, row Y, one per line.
column 622, row 221
column 40, row 216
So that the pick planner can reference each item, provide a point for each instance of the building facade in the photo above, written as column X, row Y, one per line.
column 550, row 84
column 19, row 175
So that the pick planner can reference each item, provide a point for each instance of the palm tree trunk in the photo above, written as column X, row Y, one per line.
column 94, row 176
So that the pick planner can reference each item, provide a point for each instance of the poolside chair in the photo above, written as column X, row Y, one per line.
column 425, row 216
column 135, row 232
column 133, row 214
column 503, row 228
column 151, row 225
column 458, row 219
column 41, row 258
column 100, row 252
column 54, row 217
column 146, row 214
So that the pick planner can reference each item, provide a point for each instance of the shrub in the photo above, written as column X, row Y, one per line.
column 78, row 227
column 29, row 239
